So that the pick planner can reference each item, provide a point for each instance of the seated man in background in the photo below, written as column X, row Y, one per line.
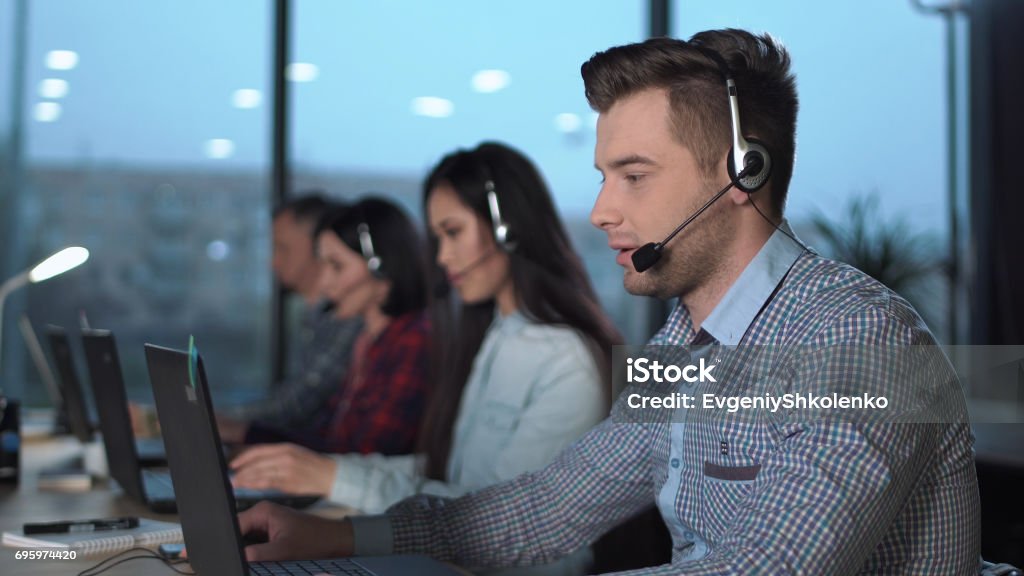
column 324, row 343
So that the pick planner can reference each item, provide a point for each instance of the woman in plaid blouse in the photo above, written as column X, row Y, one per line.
column 373, row 270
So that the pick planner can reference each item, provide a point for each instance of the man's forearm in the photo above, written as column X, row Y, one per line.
column 538, row 517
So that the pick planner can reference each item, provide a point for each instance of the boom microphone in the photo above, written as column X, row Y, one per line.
column 648, row 255
column 443, row 287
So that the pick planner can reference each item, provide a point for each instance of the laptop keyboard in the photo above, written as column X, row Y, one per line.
column 339, row 567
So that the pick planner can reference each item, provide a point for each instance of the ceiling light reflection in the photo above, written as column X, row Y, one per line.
column 432, row 107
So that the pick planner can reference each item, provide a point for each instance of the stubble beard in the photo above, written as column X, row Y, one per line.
column 689, row 260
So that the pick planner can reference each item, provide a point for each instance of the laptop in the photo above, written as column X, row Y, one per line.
column 70, row 389
column 149, row 451
column 35, row 350
column 151, row 486
column 207, row 513
column 110, row 394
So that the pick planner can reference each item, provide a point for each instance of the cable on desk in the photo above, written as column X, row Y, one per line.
column 146, row 554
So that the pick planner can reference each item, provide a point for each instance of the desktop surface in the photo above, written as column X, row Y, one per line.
column 25, row 503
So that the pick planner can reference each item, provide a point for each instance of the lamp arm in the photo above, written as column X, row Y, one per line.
column 6, row 288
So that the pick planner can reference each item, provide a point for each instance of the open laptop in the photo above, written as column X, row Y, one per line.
column 148, row 451
column 35, row 350
column 70, row 389
column 148, row 485
column 110, row 394
column 207, row 513
column 126, row 466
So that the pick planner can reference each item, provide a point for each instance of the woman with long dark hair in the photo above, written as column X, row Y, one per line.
column 526, row 344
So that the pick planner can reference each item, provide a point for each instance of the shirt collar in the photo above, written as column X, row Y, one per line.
column 510, row 323
column 745, row 298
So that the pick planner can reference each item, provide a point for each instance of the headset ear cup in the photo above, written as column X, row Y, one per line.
column 753, row 183
column 502, row 233
column 375, row 268
column 509, row 243
column 504, row 238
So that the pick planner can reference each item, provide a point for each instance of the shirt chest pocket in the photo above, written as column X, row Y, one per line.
column 725, row 489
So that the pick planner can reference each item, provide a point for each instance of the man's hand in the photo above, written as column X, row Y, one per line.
column 284, row 467
column 292, row 535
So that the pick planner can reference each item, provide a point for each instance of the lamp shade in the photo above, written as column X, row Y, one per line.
column 59, row 263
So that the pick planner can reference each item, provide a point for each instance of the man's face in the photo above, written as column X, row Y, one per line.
column 293, row 259
column 651, row 183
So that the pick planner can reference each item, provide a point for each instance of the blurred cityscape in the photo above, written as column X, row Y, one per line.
column 180, row 252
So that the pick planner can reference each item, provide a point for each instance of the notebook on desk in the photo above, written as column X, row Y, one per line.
column 148, row 533
column 208, row 514
column 154, row 487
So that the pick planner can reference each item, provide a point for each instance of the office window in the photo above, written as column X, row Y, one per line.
column 382, row 90
column 6, row 70
column 146, row 139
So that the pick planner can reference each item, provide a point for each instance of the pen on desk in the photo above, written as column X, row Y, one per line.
column 81, row 526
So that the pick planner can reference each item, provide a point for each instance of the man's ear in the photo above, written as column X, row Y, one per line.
column 738, row 197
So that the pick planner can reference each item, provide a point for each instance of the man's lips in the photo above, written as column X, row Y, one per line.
column 623, row 258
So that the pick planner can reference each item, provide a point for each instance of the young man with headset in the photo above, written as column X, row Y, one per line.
column 798, row 495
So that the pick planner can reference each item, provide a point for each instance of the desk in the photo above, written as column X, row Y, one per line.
column 24, row 503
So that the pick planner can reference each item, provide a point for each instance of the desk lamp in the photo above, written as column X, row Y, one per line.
column 55, row 265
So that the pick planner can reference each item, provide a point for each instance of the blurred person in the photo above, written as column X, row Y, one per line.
column 373, row 269
column 324, row 339
column 522, row 354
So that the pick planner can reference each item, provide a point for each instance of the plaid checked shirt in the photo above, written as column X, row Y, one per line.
column 810, row 497
column 325, row 346
column 379, row 407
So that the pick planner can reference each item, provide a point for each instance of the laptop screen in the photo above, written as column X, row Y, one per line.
column 71, row 390
column 205, row 502
column 112, row 405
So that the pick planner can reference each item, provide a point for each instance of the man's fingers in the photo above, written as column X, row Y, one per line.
column 253, row 520
column 265, row 551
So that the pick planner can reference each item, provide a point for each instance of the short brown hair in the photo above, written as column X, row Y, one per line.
column 699, row 103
